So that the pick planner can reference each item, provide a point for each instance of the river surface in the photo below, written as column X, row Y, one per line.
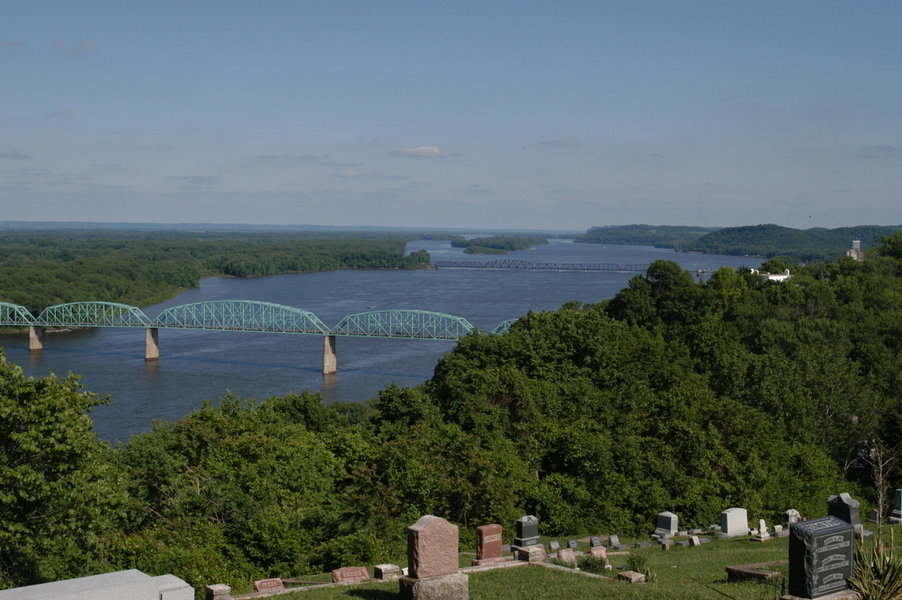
column 198, row 365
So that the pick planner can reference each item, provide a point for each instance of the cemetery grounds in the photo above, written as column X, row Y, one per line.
column 680, row 572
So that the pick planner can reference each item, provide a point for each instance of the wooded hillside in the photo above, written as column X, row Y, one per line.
column 43, row 268
column 674, row 395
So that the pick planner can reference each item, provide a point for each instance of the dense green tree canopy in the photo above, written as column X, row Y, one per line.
column 43, row 268
column 674, row 395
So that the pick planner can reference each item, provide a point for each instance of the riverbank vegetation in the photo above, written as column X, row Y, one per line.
column 769, row 241
column 43, row 268
column 662, row 236
column 674, row 395
column 803, row 245
column 496, row 244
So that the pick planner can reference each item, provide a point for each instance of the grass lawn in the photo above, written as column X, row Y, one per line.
column 679, row 573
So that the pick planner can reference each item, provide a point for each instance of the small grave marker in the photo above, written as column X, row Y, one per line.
column 269, row 585
column 594, row 541
column 599, row 552
column 567, row 555
column 350, row 575
column 631, row 577
column 386, row 572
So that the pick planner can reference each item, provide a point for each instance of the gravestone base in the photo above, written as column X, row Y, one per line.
column 843, row 595
column 530, row 553
column 444, row 587
column 387, row 572
column 482, row 562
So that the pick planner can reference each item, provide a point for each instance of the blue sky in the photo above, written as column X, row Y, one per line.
column 490, row 113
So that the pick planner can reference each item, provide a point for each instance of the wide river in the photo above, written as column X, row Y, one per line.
column 198, row 365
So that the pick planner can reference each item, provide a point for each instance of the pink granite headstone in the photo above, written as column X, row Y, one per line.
column 268, row 585
column 599, row 552
column 350, row 575
column 488, row 541
column 567, row 555
column 432, row 546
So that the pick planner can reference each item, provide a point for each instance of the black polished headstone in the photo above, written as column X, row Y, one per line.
column 895, row 517
column 845, row 507
column 820, row 556
column 527, row 531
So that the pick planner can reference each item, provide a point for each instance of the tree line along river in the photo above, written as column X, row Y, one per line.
column 198, row 365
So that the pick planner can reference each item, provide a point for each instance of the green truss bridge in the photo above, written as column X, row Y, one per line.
column 239, row 315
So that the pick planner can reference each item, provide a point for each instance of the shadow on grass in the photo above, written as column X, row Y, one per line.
column 374, row 594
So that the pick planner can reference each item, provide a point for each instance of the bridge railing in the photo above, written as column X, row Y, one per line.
column 249, row 316
column 408, row 324
column 92, row 314
column 14, row 315
column 530, row 266
column 241, row 315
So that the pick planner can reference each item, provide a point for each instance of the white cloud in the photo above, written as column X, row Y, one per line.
column 84, row 47
column 419, row 151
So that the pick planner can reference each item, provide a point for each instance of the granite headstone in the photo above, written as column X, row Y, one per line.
column 527, row 531
column 734, row 522
column 432, row 548
column 488, row 541
column 666, row 524
column 895, row 517
column 820, row 556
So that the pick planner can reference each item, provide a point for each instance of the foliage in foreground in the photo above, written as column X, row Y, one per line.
column 877, row 571
column 674, row 395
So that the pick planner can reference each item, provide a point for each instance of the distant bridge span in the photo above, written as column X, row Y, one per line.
column 509, row 263
column 240, row 315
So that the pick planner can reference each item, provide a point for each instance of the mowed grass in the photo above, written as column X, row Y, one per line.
column 698, row 572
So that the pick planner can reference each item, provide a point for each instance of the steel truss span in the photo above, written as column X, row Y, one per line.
column 15, row 315
column 408, row 324
column 247, row 315
column 529, row 266
column 92, row 314
column 504, row 326
column 241, row 315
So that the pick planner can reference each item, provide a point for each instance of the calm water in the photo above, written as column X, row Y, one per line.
column 198, row 365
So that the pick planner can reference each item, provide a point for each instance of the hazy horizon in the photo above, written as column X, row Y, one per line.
column 466, row 114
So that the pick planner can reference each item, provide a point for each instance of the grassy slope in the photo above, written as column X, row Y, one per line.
column 680, row 573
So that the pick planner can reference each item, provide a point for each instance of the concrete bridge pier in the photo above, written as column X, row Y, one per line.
column 151, row 344
column 35, row 338
column 330, row 362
